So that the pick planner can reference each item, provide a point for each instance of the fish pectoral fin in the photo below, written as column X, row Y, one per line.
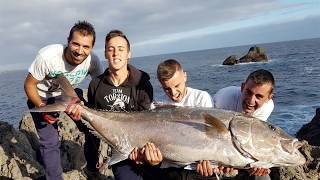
column 98, row 135
column 215, row 123
column 117, row 157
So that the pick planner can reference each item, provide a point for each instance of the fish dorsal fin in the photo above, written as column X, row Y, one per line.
column 215, row 123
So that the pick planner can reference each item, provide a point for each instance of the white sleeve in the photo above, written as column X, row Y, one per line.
column 227, row 98
column 95, row 66
column 39, row 68
column 206, row 100
column 264, row 111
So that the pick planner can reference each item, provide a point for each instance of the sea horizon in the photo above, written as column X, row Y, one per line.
column 24, row 65
column 294, row 64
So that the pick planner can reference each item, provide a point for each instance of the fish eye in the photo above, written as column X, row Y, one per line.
column 272, row 127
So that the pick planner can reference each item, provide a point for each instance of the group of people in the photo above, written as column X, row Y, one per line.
column 122, row 87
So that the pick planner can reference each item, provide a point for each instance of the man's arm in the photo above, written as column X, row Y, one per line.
column 30, row 87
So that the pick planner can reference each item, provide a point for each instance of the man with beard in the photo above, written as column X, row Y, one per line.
column 75, row 61
column 254, row 98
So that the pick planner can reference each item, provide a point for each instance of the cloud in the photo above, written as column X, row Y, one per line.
column 27, row 26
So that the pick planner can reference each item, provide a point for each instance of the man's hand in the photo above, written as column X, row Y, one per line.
column 153, row 155
column 259, row 171
column 136, row 156
column 205, row 168
column 74, row 109
column 149, row 154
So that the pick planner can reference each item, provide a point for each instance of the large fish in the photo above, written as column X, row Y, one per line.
column 186, row 135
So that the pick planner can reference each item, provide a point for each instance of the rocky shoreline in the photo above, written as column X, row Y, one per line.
column 18, row 152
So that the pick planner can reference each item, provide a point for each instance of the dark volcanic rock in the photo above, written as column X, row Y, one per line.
column 309, row 171
column 18, row 151
column 17, row 158
column 311, row 131
column 231, row 60
column 72, row 140
column 255, row 54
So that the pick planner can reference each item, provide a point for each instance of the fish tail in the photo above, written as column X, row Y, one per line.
column 60, row 104
column 68, row 97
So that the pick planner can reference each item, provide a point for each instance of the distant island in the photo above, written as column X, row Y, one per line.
column 255, row 54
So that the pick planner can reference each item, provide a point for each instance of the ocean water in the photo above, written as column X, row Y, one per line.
column 294, row 64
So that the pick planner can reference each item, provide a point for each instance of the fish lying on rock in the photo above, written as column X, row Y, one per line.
column 186, row 135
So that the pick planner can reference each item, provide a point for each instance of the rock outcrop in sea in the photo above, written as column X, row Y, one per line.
column 255, row 54
column 18, row 152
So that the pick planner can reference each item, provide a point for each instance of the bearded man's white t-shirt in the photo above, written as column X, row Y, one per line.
column 50, row 62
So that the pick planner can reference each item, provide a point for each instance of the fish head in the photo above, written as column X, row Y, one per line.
column 265, row 142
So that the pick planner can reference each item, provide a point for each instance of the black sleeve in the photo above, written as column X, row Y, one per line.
column 91, row 93
column 145, row 94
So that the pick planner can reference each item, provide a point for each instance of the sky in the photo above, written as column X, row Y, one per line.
column 153, row 26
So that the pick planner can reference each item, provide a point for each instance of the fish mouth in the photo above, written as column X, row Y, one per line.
column 294, row 156
column 290, row 146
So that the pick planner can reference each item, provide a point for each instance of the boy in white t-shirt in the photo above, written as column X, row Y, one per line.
column 173, row 81
column 75, row 61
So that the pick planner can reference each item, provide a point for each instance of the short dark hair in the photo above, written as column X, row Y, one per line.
column 262, row 76
column 167, row 69
column 85, row 28
column 116, row 33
